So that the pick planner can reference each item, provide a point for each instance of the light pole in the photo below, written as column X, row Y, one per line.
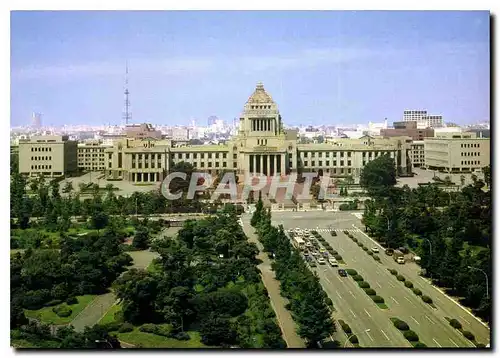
column 351, row 335
column 430, row 255
column 485, row 275
column 104, row 341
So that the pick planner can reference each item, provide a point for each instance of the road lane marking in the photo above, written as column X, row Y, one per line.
column 406, row 298
column 464, row 319
column 390, row 284
column 367, row 313
column 340, row 250
column 327, row 280
column 361, row 232
column 434, row 339
column 353, row 259
column 352, row 313
column 452, row 341
column 378, row 284
column 395, row 300
column 430, row 320
column 414, row 319
column 338, row 294
column 352, row 294
column 385, row 335
column 368, row 334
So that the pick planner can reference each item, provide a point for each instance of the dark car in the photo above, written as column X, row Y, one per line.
column 389, row 252
column 342, row 273
column 333, row 233
column 312, row 264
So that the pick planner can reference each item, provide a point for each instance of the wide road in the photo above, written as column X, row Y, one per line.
column 429, row 323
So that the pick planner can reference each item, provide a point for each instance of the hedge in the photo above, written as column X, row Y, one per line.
column 360, row 244
column 370, row 291
column 370, row 253
column 345, row 327
column 480, row 345
column 420, row 345
column 112, row 326
column 365, row 248
column 427, row 299
column 351, row 272
column 401, row 325
column 376, row 257
column 62, row 310
column 417, row 291
column 72, row 300
column 354, row 339
column 337, row 257
column 126, row 327
column 400, row 278
column 377, row 299
column 328, row 301
column 357, row 278
column 469, row 335
column 363, row 284
column 354, row 239
column 392, row 271
column 411, row 336
column 455, row 323
column 409, row 284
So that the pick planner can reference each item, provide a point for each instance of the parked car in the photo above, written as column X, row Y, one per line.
column 389, row 252
column 312, row 264
column 322, row 250
column 400, row 260
column 342, row 273
column 325, row 254
column 375, row 249
column 321, row 261
column 333, row 233
column 404, row 250
column 315, row 253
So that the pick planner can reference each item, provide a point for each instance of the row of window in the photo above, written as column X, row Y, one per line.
column 469, row 162
column 261, row 107
column 471, row 154
column 41, row 167
column 41, row 149
column 320, row 163
column 261, row 141
column 146, row 156
column 42, row 158
column 202, row 155
column 469, row 145
column 146, row 165
column 93, row 150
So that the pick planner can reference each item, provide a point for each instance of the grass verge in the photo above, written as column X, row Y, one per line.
column 47, row 316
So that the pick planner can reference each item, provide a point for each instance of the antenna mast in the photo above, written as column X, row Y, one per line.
column 127, row 115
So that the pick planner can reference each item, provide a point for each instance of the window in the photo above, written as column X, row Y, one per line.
column 313, row 163
column 195, row 155
column 342, row 154
column 320, row 155
column 216, row 155
column 348, row 154
column 305, row 163
column 202, row 155
column 348, row 163
column 159, row 156
column 313, row 154
column 235, row 165
column 327, row 163
column 187, row 155
column 224, row 155
column 216, row 164
column 335, row 154
column 202, row 164
column 235, row 156
column 327, row 154
column 334, row 163
column 210, row 164
column 209, row 155
column 341, row 163
column 320, row 163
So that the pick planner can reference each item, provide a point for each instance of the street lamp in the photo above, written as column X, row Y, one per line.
column 352, row 334
column 104, row 341
column 430, row 250
column 485, row 275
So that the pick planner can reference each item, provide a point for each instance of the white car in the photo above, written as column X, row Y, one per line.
column 321, row 261
column 400, row 260
column 375, row 249
column 333, row 262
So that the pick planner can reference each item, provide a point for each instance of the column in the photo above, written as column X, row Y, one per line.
column 250, row 163
column 261, row 169
column 269, row 158
column 282, row 163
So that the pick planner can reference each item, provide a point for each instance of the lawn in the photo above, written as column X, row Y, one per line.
column 149, row 340
column 46, row 315
column 110, row 315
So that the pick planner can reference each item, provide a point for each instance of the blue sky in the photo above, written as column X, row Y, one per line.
column 328, row 67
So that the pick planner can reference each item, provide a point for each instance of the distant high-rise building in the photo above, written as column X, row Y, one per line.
column 212, row 120
column 423, row 119
column 36, row 120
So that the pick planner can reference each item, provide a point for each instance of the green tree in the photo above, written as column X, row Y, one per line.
column 141, row 238
column 217, row 331
column 99, row 220
column 378, row 175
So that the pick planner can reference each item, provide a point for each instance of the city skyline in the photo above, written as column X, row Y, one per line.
column 320, row 67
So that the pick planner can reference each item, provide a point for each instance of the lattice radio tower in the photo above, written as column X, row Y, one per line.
column 127, row 115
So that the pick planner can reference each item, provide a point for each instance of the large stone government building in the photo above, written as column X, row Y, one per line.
column 262, row 145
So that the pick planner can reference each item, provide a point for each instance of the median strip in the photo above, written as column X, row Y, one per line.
column 379, row 301
column 458, row 326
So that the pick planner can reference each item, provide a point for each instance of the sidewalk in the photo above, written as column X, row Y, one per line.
column 278, row 302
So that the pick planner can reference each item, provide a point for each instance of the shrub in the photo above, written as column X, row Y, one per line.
column 72, row 300
column 376, row 257
column 417, row 291
column 354, row 339
column 363, row 284
column 370, row 291
column 468, row 335
column 370, row 253
column 480, row 345
column 420, row 345
column 401, row 325
column 427, row 299
column 357, row 278
column 354, row 239
column 365, row 248
column 351, row 272
column 114, row 326
column 400, row 277
column 345, row 327
column 411, row 336
column 62, row 310
column 392, row 271
column 53, row 303
column 337, row 257
column 148, row 328
column 333, row 252
column 377, row 299
column 408, row 284
column 328, row 301
column 182, row 336
column 360, row 244
column 126, row 327
column 455, row 324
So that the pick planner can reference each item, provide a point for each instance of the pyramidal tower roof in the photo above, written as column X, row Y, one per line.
column 260, row 95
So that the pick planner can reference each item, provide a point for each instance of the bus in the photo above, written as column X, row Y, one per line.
column 299, row 243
